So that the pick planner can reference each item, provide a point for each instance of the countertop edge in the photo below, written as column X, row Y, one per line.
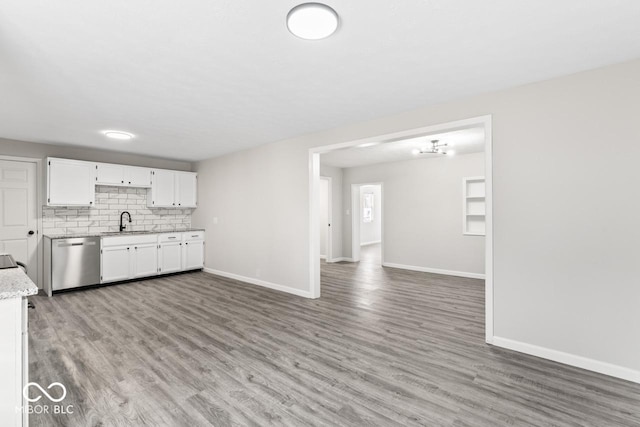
column 111, row 234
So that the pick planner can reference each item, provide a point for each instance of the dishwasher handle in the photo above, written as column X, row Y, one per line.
column 64, row 245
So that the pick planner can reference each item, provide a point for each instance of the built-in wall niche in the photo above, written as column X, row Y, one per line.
column 473, row 206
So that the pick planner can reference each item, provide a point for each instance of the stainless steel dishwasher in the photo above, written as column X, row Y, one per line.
column 71, row 262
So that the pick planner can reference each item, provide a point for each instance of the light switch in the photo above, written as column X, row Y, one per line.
column 348, row 212
column 215, row 219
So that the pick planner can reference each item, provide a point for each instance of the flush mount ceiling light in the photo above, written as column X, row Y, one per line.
column 436, row 148
column 312, row 21
column 119, row 135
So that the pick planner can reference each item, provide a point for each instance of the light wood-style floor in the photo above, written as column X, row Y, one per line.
column 382, row 347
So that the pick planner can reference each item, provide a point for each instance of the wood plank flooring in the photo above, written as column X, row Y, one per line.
column 382, row 347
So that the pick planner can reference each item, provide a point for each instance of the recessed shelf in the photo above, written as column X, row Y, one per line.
column 473, row 206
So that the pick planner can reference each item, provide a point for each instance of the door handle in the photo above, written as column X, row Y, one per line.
column 31, row 232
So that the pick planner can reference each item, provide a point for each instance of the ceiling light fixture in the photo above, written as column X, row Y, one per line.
column 436, row 148
column 312, row 21
column 119, row 135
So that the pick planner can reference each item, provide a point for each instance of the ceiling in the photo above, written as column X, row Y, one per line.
column 201, row 78
column 461, row 142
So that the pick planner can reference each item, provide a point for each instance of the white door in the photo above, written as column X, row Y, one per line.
column 324, row 217
column 186, row 189
column 170, row 257
column 18, row 213
column 116, row 264
column 163, row 190
column 70, row 183
column 145, row 259
column 193, row 255
column 138, row 177
column 108, row 174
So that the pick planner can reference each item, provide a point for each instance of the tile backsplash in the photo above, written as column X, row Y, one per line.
column 105, row 216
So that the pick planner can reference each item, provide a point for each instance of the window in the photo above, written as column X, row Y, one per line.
column 367, row 209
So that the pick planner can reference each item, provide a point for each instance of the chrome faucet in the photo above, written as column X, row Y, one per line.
column 123, row 227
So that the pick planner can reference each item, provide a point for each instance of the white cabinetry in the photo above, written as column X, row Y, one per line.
column 73, row 183
column 128, row 257
column 137, row 177
column 123, row 176
column 173, row 189
column 143, row 255
column 70, row 182
column 145, row 262
column 115, row 264
column 193, row 250
column 13, row 360
column 186, row 189
column 163, row 189
column 170, row 253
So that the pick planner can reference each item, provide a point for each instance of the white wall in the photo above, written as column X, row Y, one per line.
column 423, row 212
column 565, row 154
column 370, row 232
column 323, row 216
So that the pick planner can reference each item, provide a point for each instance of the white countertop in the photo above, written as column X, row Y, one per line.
column 14, row 283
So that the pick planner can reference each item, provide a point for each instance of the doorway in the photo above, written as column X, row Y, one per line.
column 483, row 122
column 367, row 222
column 19, row 212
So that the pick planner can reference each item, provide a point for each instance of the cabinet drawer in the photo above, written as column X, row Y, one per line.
column 169, row 237
column 192, row 235
column 129, row 240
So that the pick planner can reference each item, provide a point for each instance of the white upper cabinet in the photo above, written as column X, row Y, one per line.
column 186, row 189
column 108, row 174
column 173, row 189
column 70, row 182
column 73, row 183
column 137, row 177
column 163, row 189
column 121, row 175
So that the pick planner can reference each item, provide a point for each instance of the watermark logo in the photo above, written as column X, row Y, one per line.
column 25, row 392
column 55, row 392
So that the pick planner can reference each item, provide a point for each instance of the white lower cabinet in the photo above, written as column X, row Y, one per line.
column 128, row 257
column 116, row 264
column 193, row 254
column 14, row 362
column 144, row 255
column 169, row 253
column 145, row 260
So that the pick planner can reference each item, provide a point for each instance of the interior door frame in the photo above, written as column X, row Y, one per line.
column 39, row 204
column 329, row 255
column 314, row 183
column 356, row 213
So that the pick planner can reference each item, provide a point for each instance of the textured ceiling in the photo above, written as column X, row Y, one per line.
column 196, row 79
column 461, row 142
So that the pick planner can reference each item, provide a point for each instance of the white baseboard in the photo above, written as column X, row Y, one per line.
column 342, row 258
column 569, row 359
column 258, row 282
column 323, row 257
column 371, row 243
column 434, row 270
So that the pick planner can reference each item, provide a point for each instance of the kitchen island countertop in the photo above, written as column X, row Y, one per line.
column 14, row 283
